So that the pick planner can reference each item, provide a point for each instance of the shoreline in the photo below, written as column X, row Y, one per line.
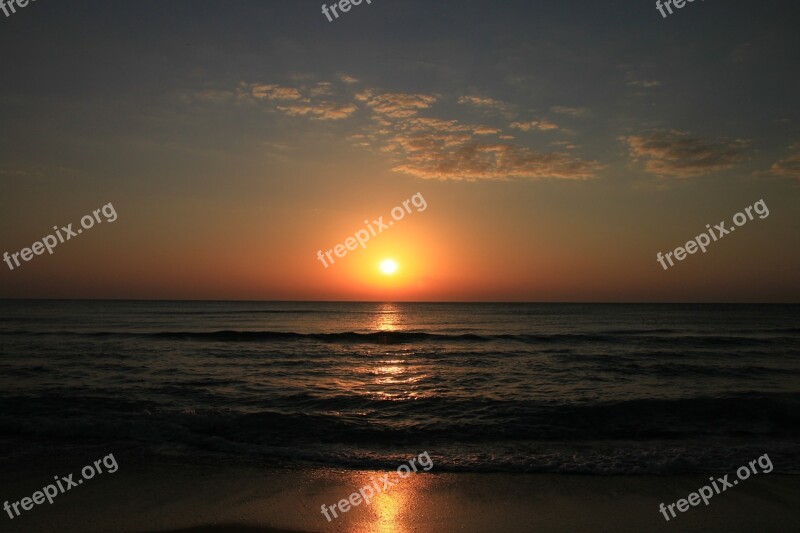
column 225, row 499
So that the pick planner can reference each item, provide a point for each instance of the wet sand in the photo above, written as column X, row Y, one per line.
column 239, row 499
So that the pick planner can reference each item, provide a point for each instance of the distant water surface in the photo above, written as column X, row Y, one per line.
column 483, row 387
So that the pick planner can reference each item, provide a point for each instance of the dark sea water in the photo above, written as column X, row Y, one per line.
column 563, row 388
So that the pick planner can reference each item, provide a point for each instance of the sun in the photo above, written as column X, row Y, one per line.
column 388, row 267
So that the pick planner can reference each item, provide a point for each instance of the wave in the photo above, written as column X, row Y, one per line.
column 399, row 337
column 360, row 419
column 654, row 435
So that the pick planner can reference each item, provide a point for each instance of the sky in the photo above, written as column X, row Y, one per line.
column 558, row 147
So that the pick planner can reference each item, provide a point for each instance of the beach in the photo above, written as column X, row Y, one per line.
column 163, row 416
column 235, row 499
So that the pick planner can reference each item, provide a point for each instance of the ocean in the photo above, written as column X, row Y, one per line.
column 483, row 387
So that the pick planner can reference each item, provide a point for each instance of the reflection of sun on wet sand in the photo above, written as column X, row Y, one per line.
column 387, row 508
column 381, row 497
column 383, row 514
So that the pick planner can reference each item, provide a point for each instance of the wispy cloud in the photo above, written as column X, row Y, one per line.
column 293, row 102
column 427, row 147
column 644, row 83
column 788, row 167
column 359, row 139
column 320, row 110
column 541, row 125
column 363, row 96
column 486, row 103
column 400, row 105
column 564, row 144
column 434, row 148
column 427, row 123
column 673, row 153
column 347, row 79
column 571, row 111
column 271, row 92
column 322, row 88
column 475, row 161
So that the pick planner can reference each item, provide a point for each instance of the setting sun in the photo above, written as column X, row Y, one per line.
column 388, row 267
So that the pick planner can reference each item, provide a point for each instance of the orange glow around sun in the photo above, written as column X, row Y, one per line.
column 407, row 266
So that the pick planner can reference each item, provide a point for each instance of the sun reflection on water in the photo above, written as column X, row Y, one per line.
column 390, row 372
column 387, row 318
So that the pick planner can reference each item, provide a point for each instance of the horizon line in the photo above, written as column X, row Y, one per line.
column 564, row 302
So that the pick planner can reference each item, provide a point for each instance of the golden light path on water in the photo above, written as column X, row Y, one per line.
column 387, row 372
column 389, row 377
column 387, row 318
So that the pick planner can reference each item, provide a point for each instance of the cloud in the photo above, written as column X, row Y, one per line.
column 475, row 161
column 788, row 167
column 322, row 88
column 486, row 103
column 425, row 142
column 359, row 139
column 364, row 95
column 400, row 105
column 564, row 144
column 485, row 130
column 435, row 148
column 673, row 153
column 319, row 111
column 272, row 92
column 644, row 83
column 541, row 125
column 292, row 102
column 436, row 124
column 429, row 147
column 480, row 101
column 347, row 79
column 571, row 111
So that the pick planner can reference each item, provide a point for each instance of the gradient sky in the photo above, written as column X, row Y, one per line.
column 559, row 146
